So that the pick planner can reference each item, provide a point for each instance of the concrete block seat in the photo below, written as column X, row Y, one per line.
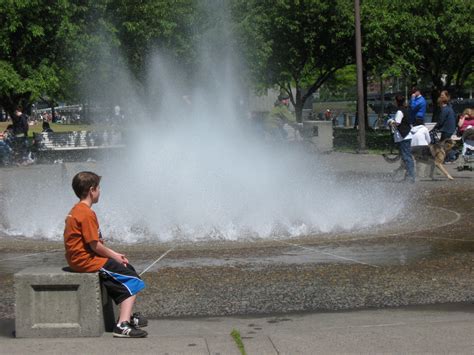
column 56, row 302
column 320, row 133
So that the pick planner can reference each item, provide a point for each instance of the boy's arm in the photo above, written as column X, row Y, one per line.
column 102, row 250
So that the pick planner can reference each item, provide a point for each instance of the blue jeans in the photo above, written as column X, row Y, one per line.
column 405, row 152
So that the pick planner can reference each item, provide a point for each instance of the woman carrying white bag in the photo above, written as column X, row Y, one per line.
column 401, row 135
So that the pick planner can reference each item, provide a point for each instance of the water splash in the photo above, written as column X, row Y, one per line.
column 195, row 169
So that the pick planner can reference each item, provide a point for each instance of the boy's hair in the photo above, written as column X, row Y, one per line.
column 83, row 181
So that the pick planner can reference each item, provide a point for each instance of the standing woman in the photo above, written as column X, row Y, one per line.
column 402, row 124
column 447, row 119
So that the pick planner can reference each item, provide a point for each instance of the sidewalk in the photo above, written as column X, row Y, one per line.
column 426, row 329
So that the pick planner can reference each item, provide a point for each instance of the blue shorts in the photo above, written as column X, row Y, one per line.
column 120, row 281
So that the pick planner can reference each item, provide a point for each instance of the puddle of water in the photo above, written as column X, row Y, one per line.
column 386, row 254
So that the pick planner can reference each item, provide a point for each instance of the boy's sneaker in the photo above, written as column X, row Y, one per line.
column 138, row 320
column 126, row 330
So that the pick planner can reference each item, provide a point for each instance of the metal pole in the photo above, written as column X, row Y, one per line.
column 360, row 81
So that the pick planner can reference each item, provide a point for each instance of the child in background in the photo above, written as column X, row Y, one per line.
column 466, row 120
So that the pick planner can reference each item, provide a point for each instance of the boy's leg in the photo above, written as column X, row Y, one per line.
column 126, row 309
column 122, row 284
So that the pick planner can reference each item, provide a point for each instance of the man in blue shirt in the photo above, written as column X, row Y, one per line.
column 417, row 107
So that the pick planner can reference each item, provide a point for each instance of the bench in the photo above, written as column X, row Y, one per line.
column 46, row 143
column 54, row 302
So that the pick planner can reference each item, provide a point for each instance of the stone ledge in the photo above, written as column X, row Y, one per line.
column 55, row 302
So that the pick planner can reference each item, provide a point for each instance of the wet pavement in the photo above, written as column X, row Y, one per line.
column 425, row 256
column 440, row 329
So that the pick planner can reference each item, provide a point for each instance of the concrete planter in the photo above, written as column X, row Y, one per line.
column 320, row 133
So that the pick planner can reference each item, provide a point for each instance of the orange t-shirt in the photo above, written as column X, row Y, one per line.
column 82, row 227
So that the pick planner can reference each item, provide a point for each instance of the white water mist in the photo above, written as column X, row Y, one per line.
column 195, row 169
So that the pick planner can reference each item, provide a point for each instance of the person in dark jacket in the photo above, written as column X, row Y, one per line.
column 46, row 127
column 20, row 133
column 447, row 119
column 20, row 123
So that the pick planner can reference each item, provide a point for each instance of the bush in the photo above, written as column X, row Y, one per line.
column 348, row 139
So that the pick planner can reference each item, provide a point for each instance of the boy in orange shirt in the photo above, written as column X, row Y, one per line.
column 86, row 252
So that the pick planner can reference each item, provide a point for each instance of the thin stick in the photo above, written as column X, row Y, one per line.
column 153, row 263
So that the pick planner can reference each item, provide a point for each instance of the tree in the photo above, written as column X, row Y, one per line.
column 342, row 85
column 31, row 34
column 443, row 42
column 91, row 50
column 144, row 27
column 295, row 44
column 425, row 39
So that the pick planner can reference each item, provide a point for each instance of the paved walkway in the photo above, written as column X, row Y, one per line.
column 427, row 329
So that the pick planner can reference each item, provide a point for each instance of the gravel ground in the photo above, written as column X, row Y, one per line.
column 430, row 263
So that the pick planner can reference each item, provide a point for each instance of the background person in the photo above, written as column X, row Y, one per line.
column 279, row 123
column 465, row 120
column 5, row 149
column 420, row 135
column 447, row 119
column 446, row 123
column 417, row 106
column 46, row 127
column 402, row 124
column 20, row 132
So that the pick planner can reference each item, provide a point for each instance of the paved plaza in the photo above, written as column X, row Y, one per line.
column 429, row 330
column 395, row 288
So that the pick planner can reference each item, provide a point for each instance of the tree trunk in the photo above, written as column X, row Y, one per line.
column 382, row 99
column 53, row 119
column 366, row 114
column 434, row 99
column 299, row 103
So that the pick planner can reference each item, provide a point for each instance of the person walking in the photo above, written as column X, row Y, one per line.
column 402, row 136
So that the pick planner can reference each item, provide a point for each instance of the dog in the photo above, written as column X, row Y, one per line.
column 433, row 154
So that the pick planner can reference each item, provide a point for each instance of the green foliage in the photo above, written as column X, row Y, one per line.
column 30, row 52
column 295, row 43
column 444, row 36
column 342, row 85
column 420, row 38
column 62, row 49
column 348, row 139
column 144, row 27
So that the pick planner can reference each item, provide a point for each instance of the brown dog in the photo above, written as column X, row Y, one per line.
column 433, row 154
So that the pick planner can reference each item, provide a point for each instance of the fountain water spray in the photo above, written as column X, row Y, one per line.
column 194, row 169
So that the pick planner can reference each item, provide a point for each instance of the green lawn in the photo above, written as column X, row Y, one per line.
column 56, row 127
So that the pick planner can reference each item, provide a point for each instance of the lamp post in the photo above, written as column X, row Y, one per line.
column 360, row 80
